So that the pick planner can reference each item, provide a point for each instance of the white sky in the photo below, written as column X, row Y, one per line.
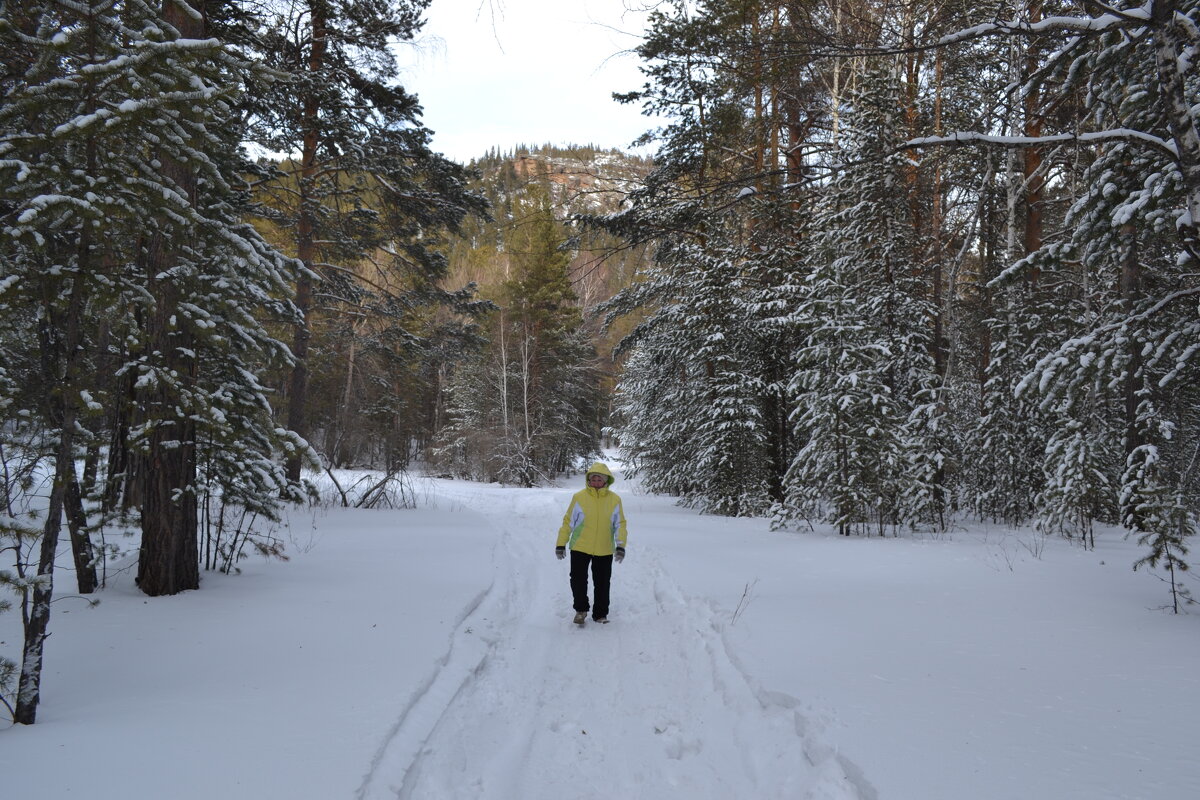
column 505, row 72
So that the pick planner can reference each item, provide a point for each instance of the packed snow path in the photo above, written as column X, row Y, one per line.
column 527, row 705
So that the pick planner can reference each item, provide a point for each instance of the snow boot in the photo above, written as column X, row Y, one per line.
column 602, row 620
column 580, row 617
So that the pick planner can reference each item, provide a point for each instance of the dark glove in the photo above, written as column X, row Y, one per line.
column 560, row 553
column 619, row 555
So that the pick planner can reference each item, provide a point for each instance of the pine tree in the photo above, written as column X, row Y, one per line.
column 364, row 204
column 731, row 467
column 655, row 403
column 1004, row 435
column 122, row 212
column 696, row 394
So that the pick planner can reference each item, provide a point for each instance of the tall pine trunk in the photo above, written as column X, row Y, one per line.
column 1034, row 176
column 169, row 561
column 1131, row 292
column 306, row 249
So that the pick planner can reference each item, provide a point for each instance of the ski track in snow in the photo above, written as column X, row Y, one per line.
column 525, row 704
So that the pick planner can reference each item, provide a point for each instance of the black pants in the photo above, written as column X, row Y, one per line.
column 601, row 576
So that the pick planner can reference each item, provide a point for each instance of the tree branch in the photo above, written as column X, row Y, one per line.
column 1115, row 134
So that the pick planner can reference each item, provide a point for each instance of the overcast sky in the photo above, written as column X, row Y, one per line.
column 505, row 72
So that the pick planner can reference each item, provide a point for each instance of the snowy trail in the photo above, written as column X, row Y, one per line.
column 525, row 704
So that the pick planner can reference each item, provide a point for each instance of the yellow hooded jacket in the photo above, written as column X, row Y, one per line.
column 595, row 521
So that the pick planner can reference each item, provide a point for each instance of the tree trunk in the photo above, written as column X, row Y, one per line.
column 298, row 387
column 169, row 558
column 81, row 541
column 1034, row 179
column 775, row 423
column 169, row 561
column 306, row 249
column 29, row 688
column 1131, row 290
column 60, row 410
column 344, row 447
column 118, row 475
column 938, row 343
column 913, row 65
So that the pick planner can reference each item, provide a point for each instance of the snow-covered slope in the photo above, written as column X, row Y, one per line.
column 429, row 654
column 649, row 706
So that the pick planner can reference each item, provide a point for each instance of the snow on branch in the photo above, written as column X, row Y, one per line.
column 1113, row 18
column 1113, row 134
column 1048, row 368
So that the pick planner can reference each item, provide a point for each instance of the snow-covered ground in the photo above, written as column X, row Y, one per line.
column 429, row 654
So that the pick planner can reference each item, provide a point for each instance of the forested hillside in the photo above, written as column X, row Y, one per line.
column 397, row 335
column 535, row 397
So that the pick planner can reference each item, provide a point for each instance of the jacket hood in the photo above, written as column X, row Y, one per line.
column 603, row 469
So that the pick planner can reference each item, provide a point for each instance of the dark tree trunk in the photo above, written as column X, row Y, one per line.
column 169, row 561
column 104, row 368
column 117, row 478
column 57, row 346
column 298, row 387
column 1131, row 289
column 91, row 468
column 305, row 244
column 36, row 631
column 81, row 541
column 779, row 437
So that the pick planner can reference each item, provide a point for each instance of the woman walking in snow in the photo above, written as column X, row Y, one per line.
column 594, row 529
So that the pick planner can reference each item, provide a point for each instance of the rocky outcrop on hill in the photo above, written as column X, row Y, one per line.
column 580, row 180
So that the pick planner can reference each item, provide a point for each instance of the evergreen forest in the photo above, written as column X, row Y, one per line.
column 892, row 266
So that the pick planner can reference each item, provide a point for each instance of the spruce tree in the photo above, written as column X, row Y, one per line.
column 865, row 382
column 1117, row 380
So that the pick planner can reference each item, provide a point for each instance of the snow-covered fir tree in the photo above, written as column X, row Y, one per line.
column 1003, row 436
column 122, row 212
column 689, row 402
column 1120, row 384
column 865, row 386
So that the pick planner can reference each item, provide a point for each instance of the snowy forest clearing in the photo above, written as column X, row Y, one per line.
column 429, row 654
